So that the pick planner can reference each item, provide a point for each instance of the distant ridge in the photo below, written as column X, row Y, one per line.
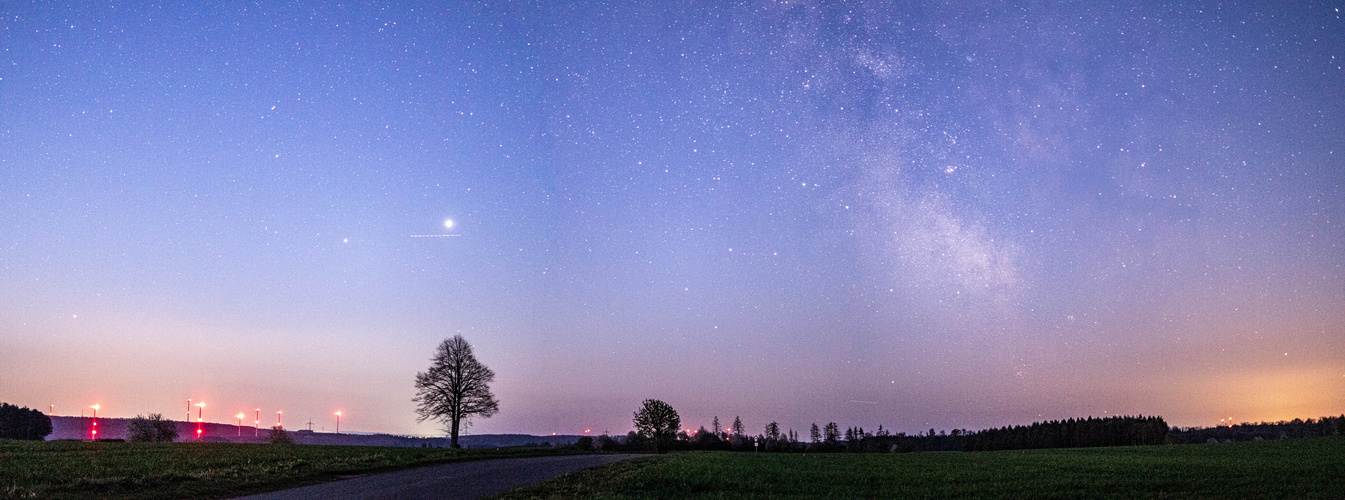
column 115, row 428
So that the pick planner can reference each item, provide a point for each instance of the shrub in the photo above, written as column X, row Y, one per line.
column 279, row 436
column 151, row 429
column 606, row 442
column 584, row 443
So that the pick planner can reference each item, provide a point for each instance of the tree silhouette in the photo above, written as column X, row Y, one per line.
column 815, row 434
column 456, row 387
column 151, row 429
column 773, row 431
column 831, row 433
column 657, row 421
column 278, row 435
column 23, row 423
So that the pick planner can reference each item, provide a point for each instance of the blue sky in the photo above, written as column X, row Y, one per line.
column 916, row 216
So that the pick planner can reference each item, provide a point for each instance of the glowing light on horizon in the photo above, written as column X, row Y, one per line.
column 93, row 434
column 200, row 417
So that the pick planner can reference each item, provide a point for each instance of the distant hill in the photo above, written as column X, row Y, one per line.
column 115, row 428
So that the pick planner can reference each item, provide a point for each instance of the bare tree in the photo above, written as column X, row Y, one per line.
column 456, row 387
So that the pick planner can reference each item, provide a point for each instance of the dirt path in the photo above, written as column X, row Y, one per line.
column 462, row 480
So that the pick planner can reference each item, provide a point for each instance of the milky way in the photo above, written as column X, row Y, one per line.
column 916, row 216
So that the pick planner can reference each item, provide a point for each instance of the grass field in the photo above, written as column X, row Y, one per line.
column 1306, row 468
column 72, row 469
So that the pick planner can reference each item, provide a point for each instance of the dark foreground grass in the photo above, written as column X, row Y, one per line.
column 1307, row 468
column 72, row 469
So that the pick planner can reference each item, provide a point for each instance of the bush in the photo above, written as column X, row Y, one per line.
column 151, row 429
column 279, row 436
column 23, row 423
column 606, row 442
column 584, row 443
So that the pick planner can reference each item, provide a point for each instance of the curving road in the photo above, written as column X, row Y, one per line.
column 460, row 480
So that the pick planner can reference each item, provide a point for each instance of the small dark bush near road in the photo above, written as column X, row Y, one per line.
column 584, row 443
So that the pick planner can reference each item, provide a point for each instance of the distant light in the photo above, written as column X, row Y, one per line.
column 448, row 223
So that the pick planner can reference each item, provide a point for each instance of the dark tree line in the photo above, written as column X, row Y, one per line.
column 1284, row 429
column 1071, row 433
column 23, row 423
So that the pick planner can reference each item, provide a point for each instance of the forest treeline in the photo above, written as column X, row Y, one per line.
column 1284, row 429
column 23, row 423
column 1070, row 433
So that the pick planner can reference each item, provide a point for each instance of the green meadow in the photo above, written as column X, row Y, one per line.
column 73, row 469
column 1304, row 468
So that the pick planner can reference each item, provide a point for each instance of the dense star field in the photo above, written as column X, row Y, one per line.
column 953, row 216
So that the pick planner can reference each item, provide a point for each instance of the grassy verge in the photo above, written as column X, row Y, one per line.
column 72, row 469
column 1306, row 468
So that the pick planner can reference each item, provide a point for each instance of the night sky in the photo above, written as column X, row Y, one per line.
column 950, row 216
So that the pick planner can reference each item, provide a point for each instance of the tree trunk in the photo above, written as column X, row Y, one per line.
column 453, row 443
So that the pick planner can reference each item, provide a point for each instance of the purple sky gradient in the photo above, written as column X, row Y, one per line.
column 917, row 216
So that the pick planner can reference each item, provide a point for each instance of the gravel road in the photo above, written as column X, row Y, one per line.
column 460, row 480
